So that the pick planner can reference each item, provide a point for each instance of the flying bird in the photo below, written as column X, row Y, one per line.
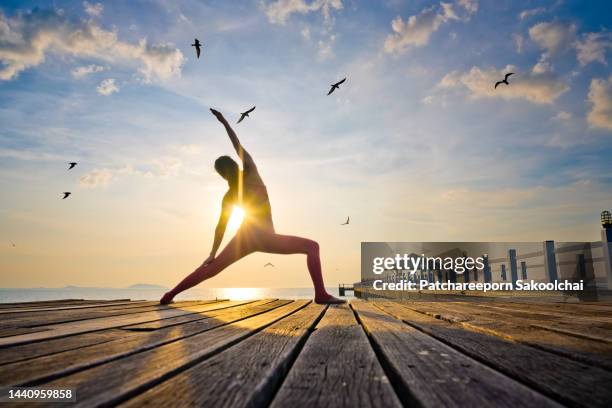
column 347, row 221
column 197, row 44
column 245, row 114
column 335, row 86
column 269, row 264
column 72, row 165
column 66, row 194
column 505, row 81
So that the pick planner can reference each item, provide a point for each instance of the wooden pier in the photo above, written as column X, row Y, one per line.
column 293, row 353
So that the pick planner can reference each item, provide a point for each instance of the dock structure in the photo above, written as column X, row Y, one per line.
column 343, row 288
column 294, row 353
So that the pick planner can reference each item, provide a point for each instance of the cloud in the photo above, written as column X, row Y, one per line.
column 531, row 12
column 325, row 48
column 593, row 47
column 562, row 115
column 305, row 33
column 553, row 37
column 600, row 97
column 93, row 10
column 542, row 88
column 81, row 72
column 29, row 37
column 519, row 41
column 96, row 178
column 107, row 87
column 278, row 12
column 417, row 29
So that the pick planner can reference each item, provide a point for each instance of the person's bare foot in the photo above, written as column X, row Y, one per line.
column 328, row 299
column 166, row 299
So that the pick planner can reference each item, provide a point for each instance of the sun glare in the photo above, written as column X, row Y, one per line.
column 235, row 219
column 241, row 293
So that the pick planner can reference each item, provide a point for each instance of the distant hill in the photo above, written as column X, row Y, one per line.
column 146, row 286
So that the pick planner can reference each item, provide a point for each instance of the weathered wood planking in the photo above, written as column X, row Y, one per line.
column 57, row 303
column 84, row 326
column 118, row 380
column 123, row 343
column 28, row 309
column 559, row 377
column 65, row 316
column 246, row 374
column 572, row 309
column 579, row 349
column 418, row 361
column 337, row 368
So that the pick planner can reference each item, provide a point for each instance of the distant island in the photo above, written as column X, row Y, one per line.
column 138, row 286
column 146, row 286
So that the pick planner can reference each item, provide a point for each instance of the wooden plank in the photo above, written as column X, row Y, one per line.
column 557, row 308
column 549, row 373
column 246, row 374
column 160, row 324
column 122, row 344
column 580, row 349
column 14, row 331
column 26, row 309
column 65, row 316
column 431, row 374
column 45, row 303
column 85, row 326
column 336, row 368
column 119, row 380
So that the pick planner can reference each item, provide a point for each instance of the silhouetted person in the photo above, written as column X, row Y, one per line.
column 247, row 189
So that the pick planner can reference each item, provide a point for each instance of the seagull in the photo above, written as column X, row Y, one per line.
column 66, row 194
column 335, row 86
column 245, row 114
column 72, row 165
column 347, row 221
column 269, row 264
column 197, row 44
column 505, row 81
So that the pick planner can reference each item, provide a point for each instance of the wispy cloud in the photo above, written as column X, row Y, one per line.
column 107, row 87
column 81, row 72
column 536, row 87
column 417, row 29
column 96, row 178
column 592, row 47
column 600, row 97
column 93, row 9
column 553, row 37
column 28, row 38
column 279, row 11
column 531, row 12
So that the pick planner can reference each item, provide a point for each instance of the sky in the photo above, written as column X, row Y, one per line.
column 416, row 145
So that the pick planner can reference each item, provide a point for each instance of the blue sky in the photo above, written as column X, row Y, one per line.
column 415, row 146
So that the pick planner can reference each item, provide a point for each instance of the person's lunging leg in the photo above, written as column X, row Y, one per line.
column 287, row 244
column 230, row 254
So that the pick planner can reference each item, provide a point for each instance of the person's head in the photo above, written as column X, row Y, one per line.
column 228, row 169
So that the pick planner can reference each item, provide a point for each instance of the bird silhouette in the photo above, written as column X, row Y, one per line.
column 347, row 221
column 505, row 80
column 66, row 194
column 12, row 243
column 72, row 165
column 245, row 114
column 269, row 264
column 197, row 45
column 335, row 86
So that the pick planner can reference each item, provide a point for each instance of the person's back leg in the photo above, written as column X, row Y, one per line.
column 230, row 254
column 288, row 244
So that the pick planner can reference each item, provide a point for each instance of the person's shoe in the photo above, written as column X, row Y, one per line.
column 166, row 299
column 329, row 300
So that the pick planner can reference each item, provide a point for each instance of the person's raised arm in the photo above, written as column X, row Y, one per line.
column 242, row 153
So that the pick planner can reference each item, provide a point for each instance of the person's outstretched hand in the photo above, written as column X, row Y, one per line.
column 218, row 115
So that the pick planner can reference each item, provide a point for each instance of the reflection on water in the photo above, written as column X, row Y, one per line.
column 37, row 294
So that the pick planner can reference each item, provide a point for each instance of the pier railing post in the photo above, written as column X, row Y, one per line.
column 606, row 246
column 486, row 269
column 550, row 261
column 503, row 272
column 513, row 268
column 523, row 270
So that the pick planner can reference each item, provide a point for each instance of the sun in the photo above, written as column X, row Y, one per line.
column 235, row 219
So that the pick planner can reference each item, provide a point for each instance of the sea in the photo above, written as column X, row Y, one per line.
column 144, row 292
